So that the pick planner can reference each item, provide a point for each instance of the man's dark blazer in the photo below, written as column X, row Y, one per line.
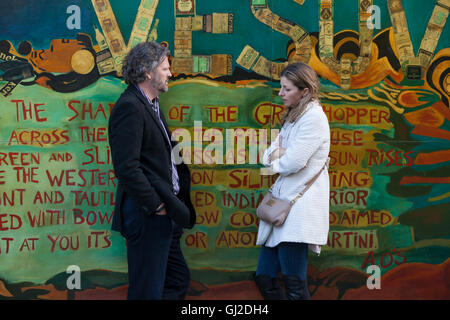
column 142, row 161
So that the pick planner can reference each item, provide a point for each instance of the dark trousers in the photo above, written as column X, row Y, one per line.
column 288, row 257
column 156, row 266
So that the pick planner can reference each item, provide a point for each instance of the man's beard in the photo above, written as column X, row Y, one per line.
column 159, row 84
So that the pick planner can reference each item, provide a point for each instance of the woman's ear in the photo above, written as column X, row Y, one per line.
column 305, row 92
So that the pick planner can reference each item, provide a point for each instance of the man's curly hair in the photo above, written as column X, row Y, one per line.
column 143, row 58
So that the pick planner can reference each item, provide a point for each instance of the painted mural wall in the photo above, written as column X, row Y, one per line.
column 385, row 83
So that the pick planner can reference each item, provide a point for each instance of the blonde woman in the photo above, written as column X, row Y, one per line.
column 298, row 154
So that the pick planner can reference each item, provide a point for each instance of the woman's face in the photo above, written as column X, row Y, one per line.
column 290, row 94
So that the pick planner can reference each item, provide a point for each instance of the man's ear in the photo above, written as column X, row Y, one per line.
column 148, row 76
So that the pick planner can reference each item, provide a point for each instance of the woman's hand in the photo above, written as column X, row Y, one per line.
column 278, row 152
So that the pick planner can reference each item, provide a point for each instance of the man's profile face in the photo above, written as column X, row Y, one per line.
column 160, row 76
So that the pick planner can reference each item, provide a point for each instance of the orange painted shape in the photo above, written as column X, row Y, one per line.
column 375, row 73
column 3, row 291
column 432, row 157
column 431, row 132
column 442, row 109
column 410, row 99
column 409, row 281
column 42, row 81
column 426, row 116
column 57, row 58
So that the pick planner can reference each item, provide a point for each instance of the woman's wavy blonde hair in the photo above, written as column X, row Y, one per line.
column 302, row 76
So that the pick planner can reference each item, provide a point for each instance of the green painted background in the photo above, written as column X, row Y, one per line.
column 420, row 231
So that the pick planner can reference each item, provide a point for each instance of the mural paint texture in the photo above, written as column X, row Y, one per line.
column 385, row 83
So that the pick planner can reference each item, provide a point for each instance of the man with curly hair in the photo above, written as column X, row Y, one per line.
column 152, row 197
